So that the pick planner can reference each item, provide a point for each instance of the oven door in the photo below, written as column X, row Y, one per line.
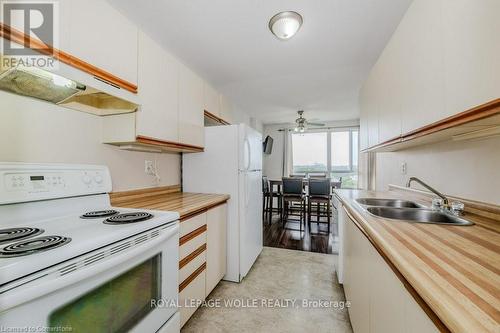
column 114, row 289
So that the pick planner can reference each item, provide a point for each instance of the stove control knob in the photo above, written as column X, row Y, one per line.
column 98, row 179
column 86, row 179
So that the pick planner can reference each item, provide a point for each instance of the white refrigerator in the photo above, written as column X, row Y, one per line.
column 232, row 164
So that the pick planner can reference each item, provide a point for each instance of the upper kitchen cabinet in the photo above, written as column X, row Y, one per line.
column 419, row 46
column 471, row 53
column 170, row 115
column 437, row 77
column 103, row 37
column 158, row 78
column 211, row 101
column 191, row 118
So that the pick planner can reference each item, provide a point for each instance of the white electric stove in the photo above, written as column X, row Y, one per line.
column 69, row 259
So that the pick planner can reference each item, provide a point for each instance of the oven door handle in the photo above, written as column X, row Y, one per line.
column 36, row 289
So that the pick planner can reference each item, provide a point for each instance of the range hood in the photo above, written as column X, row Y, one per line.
column 44, row 85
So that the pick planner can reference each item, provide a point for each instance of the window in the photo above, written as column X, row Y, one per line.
column 334, row 151
column 344, row 156
column 309, row 152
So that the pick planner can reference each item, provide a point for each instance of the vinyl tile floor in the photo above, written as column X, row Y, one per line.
column 281, row 294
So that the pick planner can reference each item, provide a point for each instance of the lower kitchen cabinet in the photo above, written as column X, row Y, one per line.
column 379, row 301
column 190, row 295
column 202, row 257
column 216, row 246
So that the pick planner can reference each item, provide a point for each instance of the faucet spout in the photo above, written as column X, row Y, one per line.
column 436, row 192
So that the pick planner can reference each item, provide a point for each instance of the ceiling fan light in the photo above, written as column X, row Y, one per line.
column 285, row 25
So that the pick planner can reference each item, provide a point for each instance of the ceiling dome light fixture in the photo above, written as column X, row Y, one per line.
column 285, row 24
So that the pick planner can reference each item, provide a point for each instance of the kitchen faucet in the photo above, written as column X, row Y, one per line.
column 445, row 199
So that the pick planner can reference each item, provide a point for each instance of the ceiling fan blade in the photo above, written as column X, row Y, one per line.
column 315, row 124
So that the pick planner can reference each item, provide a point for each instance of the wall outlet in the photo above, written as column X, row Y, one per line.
column 149, row 168
column 403, row 168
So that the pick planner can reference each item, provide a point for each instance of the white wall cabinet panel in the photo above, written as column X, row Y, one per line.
column 211, row 99
column 103, row 37
column 226, row 109
column 216, row 246
column 471, row 53
column 421, row 50
column 158, row 91
column 363, row 119
column 191, row 118
column 369, row 112
column 388, row 90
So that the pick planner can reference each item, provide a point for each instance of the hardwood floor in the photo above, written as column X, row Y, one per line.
column 313, row 240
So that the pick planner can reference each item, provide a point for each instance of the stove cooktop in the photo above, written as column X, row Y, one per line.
column 29, row 246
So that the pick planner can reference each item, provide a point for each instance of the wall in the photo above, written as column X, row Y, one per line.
column 240, row 116
column 467, row 169
column 35, row 131
column 273, row 163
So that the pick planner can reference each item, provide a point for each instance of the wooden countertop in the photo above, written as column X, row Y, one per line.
column 454, row 269
column 169, row 199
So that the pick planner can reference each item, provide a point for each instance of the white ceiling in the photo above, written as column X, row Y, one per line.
column 228, row 42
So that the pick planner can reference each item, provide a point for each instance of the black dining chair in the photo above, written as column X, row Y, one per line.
column 298, row 175
column 319, row 195
column 293, row 193
column 268, row 196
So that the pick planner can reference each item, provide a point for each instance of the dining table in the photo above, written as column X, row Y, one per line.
column 278, row 183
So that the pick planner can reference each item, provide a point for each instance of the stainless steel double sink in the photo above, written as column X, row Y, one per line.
column 409, row 211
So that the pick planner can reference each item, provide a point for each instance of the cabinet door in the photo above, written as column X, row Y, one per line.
column 419, row 39
column 387, row 295
column 471, row 53
column 216, row 246
column 103, row 37
column 158, row 91
column 388, row 90
column 211, row 99
column 226, row 109
column 357, row 277
column 191, row 118
column 193, row 294
column 363, row 120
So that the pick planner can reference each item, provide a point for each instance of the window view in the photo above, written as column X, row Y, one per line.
column 309, row 152
column 344, row 155
column 334, row 152
column 341, row 157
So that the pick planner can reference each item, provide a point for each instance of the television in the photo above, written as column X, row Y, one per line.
column 268, row 145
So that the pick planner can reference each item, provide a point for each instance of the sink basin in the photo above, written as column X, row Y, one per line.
column 417, row 215
column 388, row 203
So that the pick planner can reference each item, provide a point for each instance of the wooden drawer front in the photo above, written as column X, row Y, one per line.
column 189, row 291
column 193, row 223
column 194, row 243
column 192, row 263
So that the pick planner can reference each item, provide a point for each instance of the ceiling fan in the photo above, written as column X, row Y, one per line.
column 302, row 123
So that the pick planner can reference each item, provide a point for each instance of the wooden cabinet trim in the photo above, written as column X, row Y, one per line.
column 168, row 144
column 191, row 277
column 215, row 118
column 201, row 211
column 192, row 234
column 486, row 110
column 420, row 301
column 192, row 256
column 27, row 41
